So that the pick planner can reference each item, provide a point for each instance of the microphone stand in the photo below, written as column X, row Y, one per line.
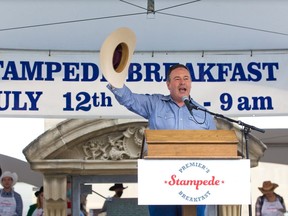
column 247, row 129
column 99, row 194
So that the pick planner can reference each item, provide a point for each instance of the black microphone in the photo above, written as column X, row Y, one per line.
column 186, row 100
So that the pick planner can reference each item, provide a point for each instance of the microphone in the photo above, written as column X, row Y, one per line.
column 189, row 105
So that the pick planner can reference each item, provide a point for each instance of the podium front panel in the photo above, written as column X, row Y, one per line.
column 193, row 182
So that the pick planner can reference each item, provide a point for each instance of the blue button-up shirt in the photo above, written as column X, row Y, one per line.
column 162, row 112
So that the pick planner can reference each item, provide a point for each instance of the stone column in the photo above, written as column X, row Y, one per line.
column 230, row 210
column 55, row 198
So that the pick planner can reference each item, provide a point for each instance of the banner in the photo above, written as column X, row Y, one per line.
column 71, row 85
column 194, row 182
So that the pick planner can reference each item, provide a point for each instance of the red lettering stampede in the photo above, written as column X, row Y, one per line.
column 176, row 181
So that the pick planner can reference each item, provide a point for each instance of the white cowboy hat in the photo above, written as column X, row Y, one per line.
column 115, row 55
column 13, row 175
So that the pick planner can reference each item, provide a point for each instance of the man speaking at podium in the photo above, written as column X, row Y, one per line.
column 176, row 111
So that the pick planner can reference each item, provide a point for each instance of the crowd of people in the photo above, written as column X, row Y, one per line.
column 11, row 203
column 269, row 203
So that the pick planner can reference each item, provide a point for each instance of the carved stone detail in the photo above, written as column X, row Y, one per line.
column 118, row 146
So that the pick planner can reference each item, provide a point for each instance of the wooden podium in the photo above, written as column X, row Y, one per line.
column 192, row 144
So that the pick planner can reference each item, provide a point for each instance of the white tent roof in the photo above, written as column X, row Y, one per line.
column 175, row 26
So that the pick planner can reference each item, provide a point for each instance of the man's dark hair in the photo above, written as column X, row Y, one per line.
column 173, row 67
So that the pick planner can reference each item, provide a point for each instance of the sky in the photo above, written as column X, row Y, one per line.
column 17, row 133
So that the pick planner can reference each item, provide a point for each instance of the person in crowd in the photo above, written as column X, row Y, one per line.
column 118, row 189
column 10, row 201
column 69, row 197
column 168, row 112
column 37, row 208
column 83, row 201
column 83, row 211
column 269, row 203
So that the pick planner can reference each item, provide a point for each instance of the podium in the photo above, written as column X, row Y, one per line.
column 193, row 144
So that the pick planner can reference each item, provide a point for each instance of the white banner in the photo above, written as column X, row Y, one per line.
column 193, row 182
column 70, row 84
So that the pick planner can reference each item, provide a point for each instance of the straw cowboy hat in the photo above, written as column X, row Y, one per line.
column 117, row 186
column 13, row 175
column 115, row 55
column 268, row 186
